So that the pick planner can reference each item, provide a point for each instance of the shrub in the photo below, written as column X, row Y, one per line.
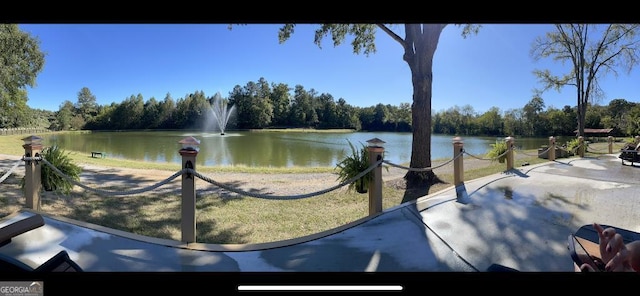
column 630, row 140
column 60, row 159
column 497, row 151
column 352, row 166
column 572, row 145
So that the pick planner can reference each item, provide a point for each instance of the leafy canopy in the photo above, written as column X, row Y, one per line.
column 21, row 60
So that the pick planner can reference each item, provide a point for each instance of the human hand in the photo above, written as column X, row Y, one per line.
column 610, row 242
column 614, row 253
column 621, row 261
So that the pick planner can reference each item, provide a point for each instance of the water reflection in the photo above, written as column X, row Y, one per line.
column 268, row 149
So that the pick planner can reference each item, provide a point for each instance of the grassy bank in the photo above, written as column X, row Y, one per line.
column 222, row 219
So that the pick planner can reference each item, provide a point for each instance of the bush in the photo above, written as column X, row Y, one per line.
column 353, row 165
column 497, row 151
column 630, row 140
column 60, row 159
column 572, row 145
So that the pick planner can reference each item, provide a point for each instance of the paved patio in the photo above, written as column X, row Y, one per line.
column 519, row 219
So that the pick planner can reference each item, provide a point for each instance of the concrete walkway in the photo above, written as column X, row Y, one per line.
column 519, row 219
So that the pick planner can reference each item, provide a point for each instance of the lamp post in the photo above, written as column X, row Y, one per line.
column 32, row 175
column 189, row 151
column 376, row 151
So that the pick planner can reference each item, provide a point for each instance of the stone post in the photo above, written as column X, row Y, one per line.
column 32, row 175
column 458, row 165
column 610, row 141
column 510, row 144
column 376, row 152
column 552, row 148
column 189, row 152
column 581, row 147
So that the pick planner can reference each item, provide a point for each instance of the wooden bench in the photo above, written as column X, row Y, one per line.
column 630, row 156
column 98, row 153
column 630, row 152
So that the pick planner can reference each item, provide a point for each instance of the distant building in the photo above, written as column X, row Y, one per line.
column 595, row 132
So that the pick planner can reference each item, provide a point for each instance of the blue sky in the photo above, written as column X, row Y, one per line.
column 116, row 61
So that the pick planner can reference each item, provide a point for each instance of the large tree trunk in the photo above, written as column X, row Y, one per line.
column 420, row 47
column 582, row 99
column 582, row 110
column 582, row 106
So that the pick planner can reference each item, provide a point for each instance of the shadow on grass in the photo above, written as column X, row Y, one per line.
column 154, row 213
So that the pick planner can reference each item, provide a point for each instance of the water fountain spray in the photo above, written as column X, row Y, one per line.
column 221, row 112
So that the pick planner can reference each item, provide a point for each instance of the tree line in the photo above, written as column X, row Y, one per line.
column 536, row 120
column 261, row 104
column 256, row 105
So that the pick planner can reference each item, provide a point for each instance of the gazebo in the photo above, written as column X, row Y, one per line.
column 596, row 132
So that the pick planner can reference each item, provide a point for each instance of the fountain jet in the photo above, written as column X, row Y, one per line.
column 221, row 112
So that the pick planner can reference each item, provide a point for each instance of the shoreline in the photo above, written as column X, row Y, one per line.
column 293, row 183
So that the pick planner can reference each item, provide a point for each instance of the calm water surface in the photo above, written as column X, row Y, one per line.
column 264, row 149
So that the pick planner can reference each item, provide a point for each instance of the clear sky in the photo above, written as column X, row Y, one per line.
column 116, row 61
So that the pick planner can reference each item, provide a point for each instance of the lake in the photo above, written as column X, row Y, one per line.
column 264, row 149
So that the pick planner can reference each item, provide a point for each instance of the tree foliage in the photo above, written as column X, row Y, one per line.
column 20, row 62
column 253, row 100
column 191, row 112
column 591, row 51
column 419, row 43
column 281, row 101
column 87, row 105
column 64, row 116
